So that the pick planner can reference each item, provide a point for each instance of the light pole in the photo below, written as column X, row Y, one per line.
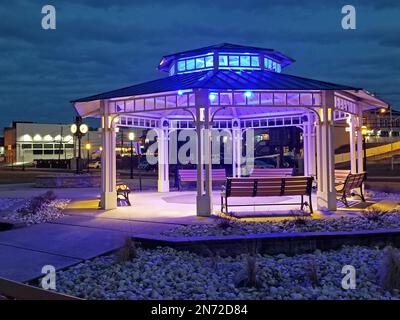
column 88, row 146
column 364, row 132
column 79, row 129
column 131, row 137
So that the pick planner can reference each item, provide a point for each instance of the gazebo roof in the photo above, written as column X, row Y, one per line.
column 225, row 47
column 221, row 80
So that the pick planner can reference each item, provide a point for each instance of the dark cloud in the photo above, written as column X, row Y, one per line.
column 101, row 45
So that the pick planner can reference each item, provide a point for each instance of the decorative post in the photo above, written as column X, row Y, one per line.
column 309, row 145
column 236, row 148
column 353, row 139
column 360, row 153
column 163, row 159
column 108, row 161
column 204, row 176
column 131, row 137
column 326, row 194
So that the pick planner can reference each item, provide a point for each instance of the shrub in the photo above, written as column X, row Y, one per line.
column 373, row 213
column 36, row 203
column 248, row 277
column 299, row 217
column 312, row 273
column 127, row 252
column 389, row 270
column 223, row 223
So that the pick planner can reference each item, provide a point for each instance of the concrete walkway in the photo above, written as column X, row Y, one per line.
column 67, row 241
column 85, row 231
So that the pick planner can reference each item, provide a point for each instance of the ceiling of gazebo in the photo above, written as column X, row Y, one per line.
column 223, row 80
column 227, row 113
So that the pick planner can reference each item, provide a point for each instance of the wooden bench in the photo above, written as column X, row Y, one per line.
column 123, row 191
column 190, row 175
column 340, row 176
column 278, row 172
column 267, row 187
column 352, row 181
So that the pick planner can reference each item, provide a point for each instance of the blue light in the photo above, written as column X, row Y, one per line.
column 248, row 94
column 180, row 92
column 212, row 96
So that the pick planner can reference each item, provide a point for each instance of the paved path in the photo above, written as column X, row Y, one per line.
column 65, row 242
column 85, row 231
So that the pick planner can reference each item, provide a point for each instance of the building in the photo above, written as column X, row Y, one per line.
column 1, row 149
column 382, row 124
column 25, row 142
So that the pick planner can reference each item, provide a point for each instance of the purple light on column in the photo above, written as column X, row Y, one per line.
column 248, row 94
column 212, row 96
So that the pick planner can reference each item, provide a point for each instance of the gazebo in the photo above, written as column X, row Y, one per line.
column 233, row 88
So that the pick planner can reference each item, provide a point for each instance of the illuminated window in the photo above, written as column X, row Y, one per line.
column 195, row 63
column 200, row 63
column 223, row 61
column 234, row 61
column 245, row 61
column 255, row 61
column 181, row 66
column 209, row 61
column 272, row 65
column 190, row 64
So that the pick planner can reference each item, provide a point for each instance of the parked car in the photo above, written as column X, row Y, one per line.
column 95, row 165
column 265, row 163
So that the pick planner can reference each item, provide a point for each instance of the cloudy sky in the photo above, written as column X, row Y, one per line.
column 101, row 45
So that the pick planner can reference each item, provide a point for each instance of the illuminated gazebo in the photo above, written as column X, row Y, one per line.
column 231, row 87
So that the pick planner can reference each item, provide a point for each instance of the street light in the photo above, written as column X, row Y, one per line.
column 79, row 129
column 131, row 137
column 364, row 132
column 88, row 146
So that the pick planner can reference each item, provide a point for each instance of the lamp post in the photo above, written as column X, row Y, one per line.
column 131, row 137
column 364, row 132
column 88, row 146
column 79, row 129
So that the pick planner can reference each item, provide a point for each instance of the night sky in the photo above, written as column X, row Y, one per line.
column 100, row 45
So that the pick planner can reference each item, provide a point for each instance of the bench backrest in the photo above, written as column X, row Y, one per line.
column 265, row 187
column 354, row 181
column 278, row 172
column 341, row 175
column 191, row 174
column 187, row 174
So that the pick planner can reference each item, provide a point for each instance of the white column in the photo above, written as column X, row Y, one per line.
column 306, row 146
column 353, row 140
column 204, row 205
column 108, row 160
column 236, row 149
column 313, row 152
column 360, row 151
column 163, row 159
column 326, row 193
column 309, row 146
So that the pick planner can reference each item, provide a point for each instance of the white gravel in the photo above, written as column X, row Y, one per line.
column 48, row 212
column 390, row 220
column 165, row 273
